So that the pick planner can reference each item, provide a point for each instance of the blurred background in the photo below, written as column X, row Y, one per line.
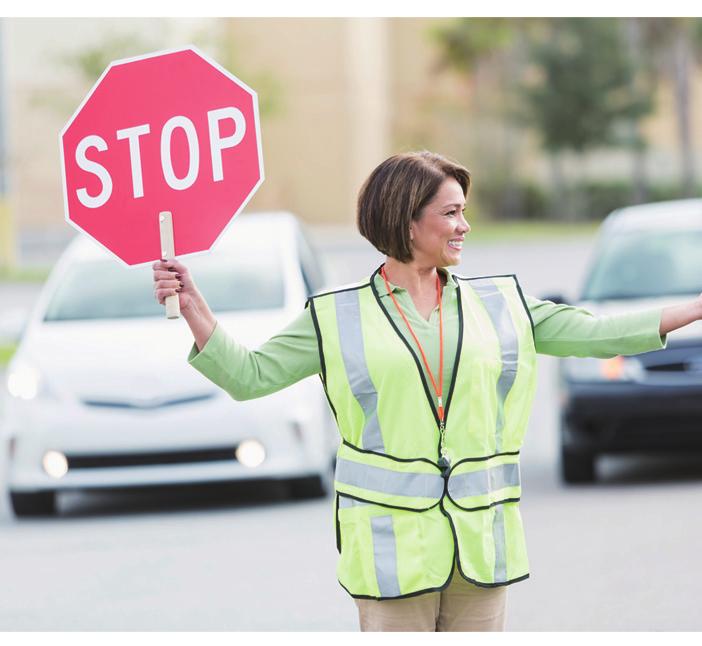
column 561, row 121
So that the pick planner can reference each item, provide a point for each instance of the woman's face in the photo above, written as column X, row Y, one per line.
column 437, row 236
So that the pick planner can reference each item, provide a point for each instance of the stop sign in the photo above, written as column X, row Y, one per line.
column 169, row 131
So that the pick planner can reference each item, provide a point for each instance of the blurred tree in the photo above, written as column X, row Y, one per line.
column 577, row 80
column 85, row 65
column 671, row 47
column 579, row 92
column 485, row 50
column 89, row 62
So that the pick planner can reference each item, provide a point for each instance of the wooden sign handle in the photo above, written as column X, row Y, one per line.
column 165, row 221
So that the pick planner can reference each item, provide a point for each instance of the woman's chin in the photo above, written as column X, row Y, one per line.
column 451, row 259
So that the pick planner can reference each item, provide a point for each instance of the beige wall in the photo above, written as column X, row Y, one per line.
column 339, row 95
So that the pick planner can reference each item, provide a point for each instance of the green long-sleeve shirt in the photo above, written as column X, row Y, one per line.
column 292, row 354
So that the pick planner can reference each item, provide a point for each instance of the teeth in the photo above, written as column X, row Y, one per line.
column 455, row 245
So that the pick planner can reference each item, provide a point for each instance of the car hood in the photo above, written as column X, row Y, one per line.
column 614, row 307
column 132, row 362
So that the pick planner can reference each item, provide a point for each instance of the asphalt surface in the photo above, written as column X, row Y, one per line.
column 618, row 555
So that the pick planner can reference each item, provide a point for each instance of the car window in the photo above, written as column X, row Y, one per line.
column 233, row 281
column 643, row 264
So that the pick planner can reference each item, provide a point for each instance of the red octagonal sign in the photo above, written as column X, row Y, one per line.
column 170, row 131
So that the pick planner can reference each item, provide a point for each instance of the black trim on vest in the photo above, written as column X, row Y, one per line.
column 484, row 507
column 388, row 506
column 320, row 348
column 488, row 276
column 481, row 459
column 336, row 523
column 526, row 307
column 386, row 455
column 339, row 291
column 459, row 347
column 407, row 345
column 457, row 556
column 402, row 596
column 455, row 560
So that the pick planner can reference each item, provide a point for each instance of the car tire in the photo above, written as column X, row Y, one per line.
column 41, row 503
column 309, row 487
column 577, row 466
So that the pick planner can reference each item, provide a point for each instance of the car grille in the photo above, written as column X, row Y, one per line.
column 87, row 461
column 678, row 362
column 146, row 404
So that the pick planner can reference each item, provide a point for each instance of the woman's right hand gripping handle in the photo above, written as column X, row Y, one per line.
column 172, row 277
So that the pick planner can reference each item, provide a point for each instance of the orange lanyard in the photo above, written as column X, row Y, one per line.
column 438, row 389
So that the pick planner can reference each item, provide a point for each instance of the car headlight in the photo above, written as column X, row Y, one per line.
column 23, row 381
column 615, row 369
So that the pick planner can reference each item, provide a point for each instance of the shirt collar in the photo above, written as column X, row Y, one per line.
column 383, row 292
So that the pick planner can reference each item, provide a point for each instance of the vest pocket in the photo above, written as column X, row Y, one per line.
column 388, row 553
column 491, row 544
column 415, row 485
column 478, row 484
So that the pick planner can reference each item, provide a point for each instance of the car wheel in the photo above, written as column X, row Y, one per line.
column 42, row 503
column 309, row 487
column 577, row 466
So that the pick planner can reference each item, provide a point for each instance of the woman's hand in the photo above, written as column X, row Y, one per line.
column 677, row 316
column 173, row 278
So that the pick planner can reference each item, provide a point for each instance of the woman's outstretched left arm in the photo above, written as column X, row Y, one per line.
column 678, row 316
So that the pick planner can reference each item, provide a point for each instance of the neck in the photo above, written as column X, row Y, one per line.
column 415, row 277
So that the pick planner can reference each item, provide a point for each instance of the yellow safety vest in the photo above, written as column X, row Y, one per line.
column 401, row 519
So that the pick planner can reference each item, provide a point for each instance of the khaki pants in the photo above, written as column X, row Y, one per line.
column 462, row 606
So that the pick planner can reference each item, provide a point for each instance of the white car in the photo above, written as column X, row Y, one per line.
column 100, row 394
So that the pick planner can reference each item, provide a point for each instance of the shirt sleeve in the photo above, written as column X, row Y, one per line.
column 286, row 358
column 564, row 330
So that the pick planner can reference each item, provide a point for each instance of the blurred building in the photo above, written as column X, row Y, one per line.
column 337, row 97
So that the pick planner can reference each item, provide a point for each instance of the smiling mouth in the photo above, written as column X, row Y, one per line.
column 456, row 244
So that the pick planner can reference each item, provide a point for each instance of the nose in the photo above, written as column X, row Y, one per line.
column 463, row 225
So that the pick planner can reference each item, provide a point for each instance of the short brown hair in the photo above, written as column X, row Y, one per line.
column 395, row 194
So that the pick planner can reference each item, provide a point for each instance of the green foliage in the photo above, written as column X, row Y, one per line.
column 465, row 41
column 24, row 274
column 501, row 201
column 592, row 199
column 6, row 352
column 580, row 86
column 90, row 62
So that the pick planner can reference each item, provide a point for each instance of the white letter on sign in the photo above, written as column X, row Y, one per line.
column 167, row 162
column 93, row 141
column 217, row 144
column 133, row 135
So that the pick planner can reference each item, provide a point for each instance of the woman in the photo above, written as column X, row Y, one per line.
column 430, row 377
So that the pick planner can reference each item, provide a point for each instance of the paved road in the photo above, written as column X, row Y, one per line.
column 619, row 555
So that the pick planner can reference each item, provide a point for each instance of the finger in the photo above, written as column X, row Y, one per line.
column 161, row 294
column 175, row 266
column 167, row 284
column 165, row 275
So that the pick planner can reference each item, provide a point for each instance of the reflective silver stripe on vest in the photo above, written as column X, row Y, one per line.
column 498, row 536
column 385, row 553
column 479, row 483
column 348, row 320
column 394, row 483
column 496, row 306
column 345, row 502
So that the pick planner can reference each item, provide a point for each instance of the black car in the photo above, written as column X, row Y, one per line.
column 647, row 256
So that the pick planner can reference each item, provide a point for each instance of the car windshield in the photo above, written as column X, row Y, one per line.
column 646, row 264
column 104, row 289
